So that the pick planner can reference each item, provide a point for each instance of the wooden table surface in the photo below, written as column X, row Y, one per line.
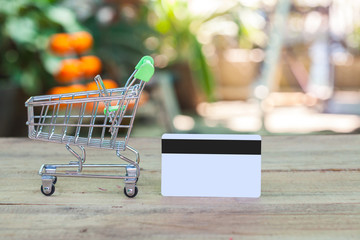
column 310, row 190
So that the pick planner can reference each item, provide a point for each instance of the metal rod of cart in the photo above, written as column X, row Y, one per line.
column 99, row 119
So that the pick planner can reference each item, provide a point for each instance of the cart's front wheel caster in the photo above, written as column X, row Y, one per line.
column 48, row 192
column 54, row 180
column 131, row 192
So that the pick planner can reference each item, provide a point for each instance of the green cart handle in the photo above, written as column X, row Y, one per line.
column 113, row 109
column 145, row 69
column 143, row 60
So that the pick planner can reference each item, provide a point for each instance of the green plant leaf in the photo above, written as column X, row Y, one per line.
column 202, row 70
column 65, row 17
column 21, row 30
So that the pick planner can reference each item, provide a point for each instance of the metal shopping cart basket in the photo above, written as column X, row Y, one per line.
column 100, row 119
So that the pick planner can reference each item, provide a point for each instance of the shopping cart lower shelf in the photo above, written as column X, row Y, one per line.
column 99, row 119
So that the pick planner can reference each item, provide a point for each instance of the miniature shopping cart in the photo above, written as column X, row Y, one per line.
column 100, row 119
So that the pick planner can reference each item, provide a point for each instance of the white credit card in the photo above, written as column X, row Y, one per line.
column 211, row 165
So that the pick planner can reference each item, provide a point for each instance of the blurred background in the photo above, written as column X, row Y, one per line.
column 234, row 66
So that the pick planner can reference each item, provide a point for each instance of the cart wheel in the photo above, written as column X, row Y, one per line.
column 54, row 180
column 129, row 195
column 50, row 193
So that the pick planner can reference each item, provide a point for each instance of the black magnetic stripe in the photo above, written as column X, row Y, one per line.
column 187, row 146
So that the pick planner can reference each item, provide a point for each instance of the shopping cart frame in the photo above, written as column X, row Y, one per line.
column 112, row 120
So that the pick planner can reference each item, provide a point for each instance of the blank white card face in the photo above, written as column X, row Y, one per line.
column 211, row 165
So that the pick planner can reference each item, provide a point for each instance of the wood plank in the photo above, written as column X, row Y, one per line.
column 310, row 189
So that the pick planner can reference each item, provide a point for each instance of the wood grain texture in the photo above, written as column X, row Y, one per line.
column 310, row 189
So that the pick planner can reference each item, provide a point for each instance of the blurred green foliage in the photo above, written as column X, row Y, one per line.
column 119, row 31
column 178, row 29
column 25, row 27
column 177, row 32
column 123, row 32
